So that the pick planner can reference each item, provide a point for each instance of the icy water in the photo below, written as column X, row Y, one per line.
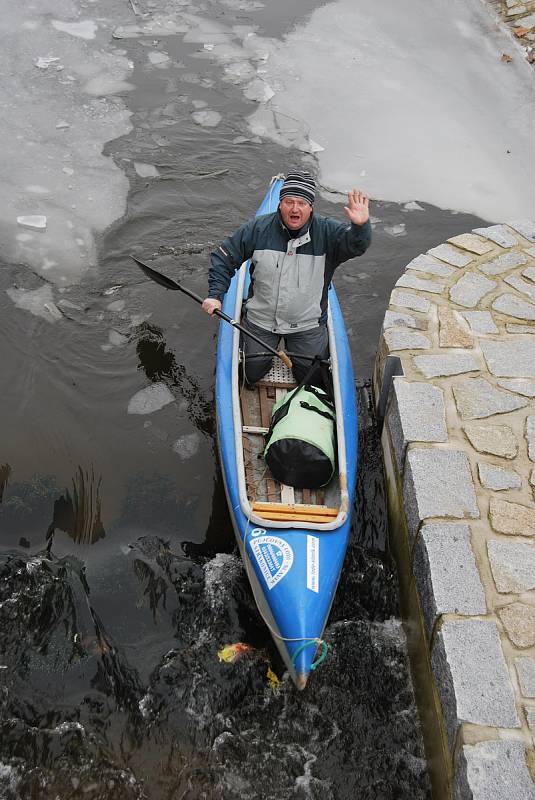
column 119, row 575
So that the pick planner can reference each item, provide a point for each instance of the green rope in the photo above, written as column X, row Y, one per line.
column 321, row 658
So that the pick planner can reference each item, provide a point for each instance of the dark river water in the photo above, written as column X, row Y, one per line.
column 120, row 579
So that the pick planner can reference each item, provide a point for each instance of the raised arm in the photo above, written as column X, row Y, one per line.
column 225, row 260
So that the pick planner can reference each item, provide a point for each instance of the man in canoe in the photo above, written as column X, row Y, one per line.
column 294, row 253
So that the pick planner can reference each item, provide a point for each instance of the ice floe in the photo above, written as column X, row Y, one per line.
column 145, row 170
column 150, row 399
column 85, row 29
column 207, row 118
column 39, row 302
column 187, row 446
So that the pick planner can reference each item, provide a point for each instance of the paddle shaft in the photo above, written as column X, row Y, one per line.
column 170, row 284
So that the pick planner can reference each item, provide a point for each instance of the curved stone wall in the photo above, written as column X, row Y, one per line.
column 455, row 384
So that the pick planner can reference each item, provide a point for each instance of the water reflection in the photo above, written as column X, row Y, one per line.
column 79, row 514
column 5, row 472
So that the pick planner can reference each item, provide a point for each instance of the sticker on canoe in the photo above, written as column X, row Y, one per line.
column 274, row 557
column 313, row 563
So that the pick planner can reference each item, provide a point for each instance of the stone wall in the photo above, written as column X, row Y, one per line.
column 519, row 15
column 455, row 383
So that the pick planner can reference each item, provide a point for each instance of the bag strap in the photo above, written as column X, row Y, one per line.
column 304, row 404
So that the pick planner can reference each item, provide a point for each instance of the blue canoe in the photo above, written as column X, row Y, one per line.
column 292, row 542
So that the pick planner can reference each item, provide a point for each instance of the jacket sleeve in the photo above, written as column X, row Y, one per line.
column 228, row 257
column 347, row 241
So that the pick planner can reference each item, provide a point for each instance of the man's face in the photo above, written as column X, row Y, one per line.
column 295, row 212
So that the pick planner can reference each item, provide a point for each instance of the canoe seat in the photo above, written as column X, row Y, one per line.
column 295, row 512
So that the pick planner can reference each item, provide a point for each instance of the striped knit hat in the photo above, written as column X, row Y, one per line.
column 299, row 184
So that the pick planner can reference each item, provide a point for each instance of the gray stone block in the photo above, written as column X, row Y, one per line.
column 518, row 619
column 510, row 359
column 514, row 306
column 409, row 300
column 498, row 234
column 474, row 244
column 525, row 667
column 472, row 677
column 446, row 364
column 480, row 321
column 521, row 286
column 424, row 263
column 498, row 440
column 407, row 281
column 446, row 572
column 470, row 289
column 525, row 227
column 503, row 263
column 512, row 327
column 519, row 385
column 530, row 436
column 449, row 254
column 494, row 770
column 529, row 273
column 498, row 478
column 397, row 319
column 415, row 414
column 438, row 483
column 477, row 398
column 512, row 565
column 405, row 339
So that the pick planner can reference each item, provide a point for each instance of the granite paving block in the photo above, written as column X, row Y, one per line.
column 525, row 667
column 453, row 329
column 530, row 718
column 470, row 289
column 530, row 436
column 424, row 263
column 407, row 281
column 438, row 483
column 529, row 273
column 395, row 319
column 519, row 622
column 477, row 398
column 480, row 321
column 513, row 328
column 503, row 263
column 532, row 477
column 499, row 234
column 446, row 573
column 415, row 414
column 434, row 366
column 527, row 22
column 474, row 244
column 493, row 770
column 521, row 286
column 405, row 339
column 530, row 251
column 508, row 359
column 498, row 478
column 409, row 300
column 498, row 440
column 512, row 518
column 472, row 677
column 525, row 227
column 513, row 565
column 514, row 306
column 519, row 385
column 449, row 254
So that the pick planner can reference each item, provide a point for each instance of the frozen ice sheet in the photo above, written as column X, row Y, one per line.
column 56, row 119
column 449, row 125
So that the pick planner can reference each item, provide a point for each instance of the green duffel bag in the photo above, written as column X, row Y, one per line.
column 301, row 443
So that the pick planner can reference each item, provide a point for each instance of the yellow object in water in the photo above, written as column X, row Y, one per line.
column 232, row 652
column 274, row 682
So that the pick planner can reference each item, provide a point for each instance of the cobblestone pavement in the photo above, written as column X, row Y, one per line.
column 519, row 15
column 459, row 437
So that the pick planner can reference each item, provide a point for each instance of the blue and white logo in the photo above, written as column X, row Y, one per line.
column 274, row 557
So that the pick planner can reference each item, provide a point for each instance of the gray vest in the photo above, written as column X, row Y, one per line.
column 287, row 289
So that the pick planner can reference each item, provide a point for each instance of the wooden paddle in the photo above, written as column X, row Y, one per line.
column 168, row 283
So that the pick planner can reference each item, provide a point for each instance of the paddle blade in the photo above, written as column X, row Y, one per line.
column 163, row 280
